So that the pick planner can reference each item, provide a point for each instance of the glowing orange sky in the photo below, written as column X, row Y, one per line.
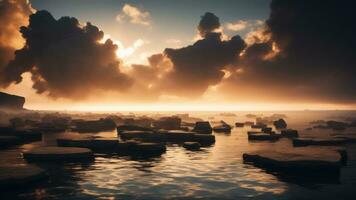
column 41, row 102
column 227, row 92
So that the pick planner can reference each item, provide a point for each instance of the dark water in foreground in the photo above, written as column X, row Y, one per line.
column 216, row 172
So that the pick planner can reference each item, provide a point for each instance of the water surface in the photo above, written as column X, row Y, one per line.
column 215, row 172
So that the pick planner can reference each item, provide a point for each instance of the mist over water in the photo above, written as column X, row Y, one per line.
column 215, row 172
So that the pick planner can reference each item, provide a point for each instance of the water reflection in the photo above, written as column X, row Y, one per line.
column 215, row 172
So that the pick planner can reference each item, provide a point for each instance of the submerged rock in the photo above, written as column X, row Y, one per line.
column 178, row 136
column 204, row 139
column 132, row 128
column 260, row 125
column 337, row 125
column 23, row 134
column 17, row 122
column 90, row 143
column 251, row 116
column 148, row 148
column 172, row 136
column 12, row 176
column 139, row 121
column 193, row 146
column 301, row 161
column 203, row 127
column 148, row 136
column 7, row 141
column 223, row 127
column 227, row 114
column 263, row 120
column 280, row 124
column 249, row 123
column 58, row 154
column 267, row 130
column 263, row 136
column 94, row 125
column 111, row 145
column 167, row 123
column 299, row 142
column 238, row 124
column 290, row 133
column 53, row 123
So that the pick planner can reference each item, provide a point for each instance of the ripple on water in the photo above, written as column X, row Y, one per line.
column 215, row 172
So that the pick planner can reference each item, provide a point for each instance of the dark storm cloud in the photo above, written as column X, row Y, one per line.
column 316, row 42
column 65, row 58
column 13, row 15
column 200, row 65
column 208, row 23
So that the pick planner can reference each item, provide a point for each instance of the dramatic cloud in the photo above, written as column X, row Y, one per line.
column 309, row 54
column 200, row 65
column 125, row 52
column 65, row 58
column 243, row 25
column 238, row 26
column 134, row 15
column 303, row 52
column 208, row 23
column 13, row 15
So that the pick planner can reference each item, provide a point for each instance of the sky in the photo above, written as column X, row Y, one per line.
column 170, row 23
column 178, row 55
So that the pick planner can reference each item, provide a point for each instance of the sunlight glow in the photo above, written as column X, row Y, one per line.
column 192, row 107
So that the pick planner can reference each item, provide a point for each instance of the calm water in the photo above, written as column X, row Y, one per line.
column 216, row 172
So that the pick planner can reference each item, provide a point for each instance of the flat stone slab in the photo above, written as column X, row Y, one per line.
column 263, row 136
column 131, row 128
column 148, row 136
column 58, row 153
column 90, row 143
column 19, row 175
column 202, row 127
column 148, row 148
column 290, row 133
column 302, row 160
column 299, row 142
column 204, row 139
column 178, row 136
column 6, row 141
column 173, row 136
column 24, row 135
column 267, row 130
column 193, row 146
column 222, row 129
column 239, row 124
column 112, row 145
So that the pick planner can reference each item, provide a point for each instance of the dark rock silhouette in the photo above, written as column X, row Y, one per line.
column 300, row 162
column 11, row 102
column 223, row 127
column 280, row 124
column 203, row 127
column 20, row 175
column 103, row 124
column 263, row 136
column 58, row 154
column 167, row 123
column 300, row 142
column 193, row 146
column 290, row 133
column 239, row 124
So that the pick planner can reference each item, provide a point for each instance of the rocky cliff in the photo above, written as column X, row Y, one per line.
column 11, row 102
